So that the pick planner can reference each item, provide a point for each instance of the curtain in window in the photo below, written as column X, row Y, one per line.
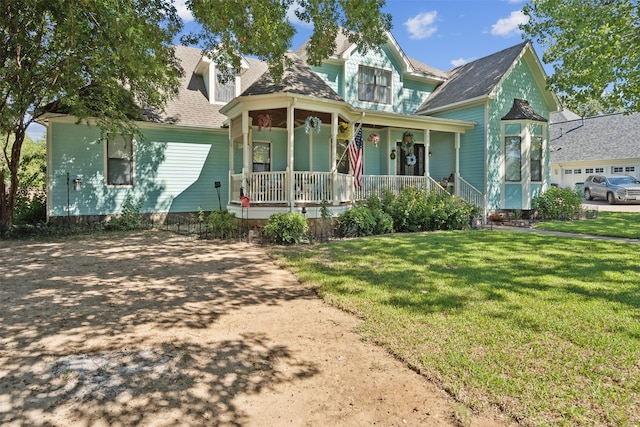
column 512, row 154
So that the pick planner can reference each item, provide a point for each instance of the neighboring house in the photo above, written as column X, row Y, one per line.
column 483, row 124
column 606, row 144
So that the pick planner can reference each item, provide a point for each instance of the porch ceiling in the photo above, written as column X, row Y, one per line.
column 279, row 116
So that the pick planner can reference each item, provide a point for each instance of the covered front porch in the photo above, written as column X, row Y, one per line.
column 289, row 151
column 266, row 193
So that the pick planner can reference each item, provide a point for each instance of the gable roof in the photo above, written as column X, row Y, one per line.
column 298, row 78
column 597, row 138
column 191, row 107
column 474, row 79
column 344, row 48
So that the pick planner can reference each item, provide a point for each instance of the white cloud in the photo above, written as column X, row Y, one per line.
column 514, row 1
column 422, row 25
column 508, row 26
column 461, row 61
column 183, row 11
column 291, row 16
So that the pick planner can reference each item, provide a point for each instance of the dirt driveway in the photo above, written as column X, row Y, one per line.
column 155, row 329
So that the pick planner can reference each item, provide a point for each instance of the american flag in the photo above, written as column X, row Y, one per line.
column 355, row 158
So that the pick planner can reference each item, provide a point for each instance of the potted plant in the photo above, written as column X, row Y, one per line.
column 374, row 138
column 312, row 122
column 264, row 121
column 344, row 131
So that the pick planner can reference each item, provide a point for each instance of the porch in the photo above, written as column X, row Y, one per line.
column 284, row 191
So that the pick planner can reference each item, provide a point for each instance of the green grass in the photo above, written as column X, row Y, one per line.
column 546, row 328
column 615, row 224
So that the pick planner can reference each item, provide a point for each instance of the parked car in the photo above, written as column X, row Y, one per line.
column 612, row 188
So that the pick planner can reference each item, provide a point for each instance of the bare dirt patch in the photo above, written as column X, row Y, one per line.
column 154, row 329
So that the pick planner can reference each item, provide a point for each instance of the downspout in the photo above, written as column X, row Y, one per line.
column 456, row 188
column 427, row 149
column 245, row 153
column 334, row 157
column 290, row 161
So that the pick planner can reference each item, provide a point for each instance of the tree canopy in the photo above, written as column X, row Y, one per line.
column 593, row 47
column 86, row 57
column 103, row 60
column 262, row 28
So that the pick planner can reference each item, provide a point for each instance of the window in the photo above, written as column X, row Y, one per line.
column 568, row 171
column 617, row 169
column 225, row 92
column 536, row 158
column 261, row 156
column 599, row 170
column 374, row 85
column 512, row 155
column 588, row 170
column 577, row 171
column 119, row 160
column 630, row 169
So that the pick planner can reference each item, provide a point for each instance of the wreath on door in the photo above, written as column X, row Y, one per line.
column 411, row 160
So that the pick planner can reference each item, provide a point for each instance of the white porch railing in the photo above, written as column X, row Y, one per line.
column 470, row 194
column 378, row 184
column 316, row 187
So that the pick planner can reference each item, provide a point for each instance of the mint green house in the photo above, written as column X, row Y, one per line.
column 479, row 131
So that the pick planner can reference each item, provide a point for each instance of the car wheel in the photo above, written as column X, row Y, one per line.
column 587, row 194
column 611, row 198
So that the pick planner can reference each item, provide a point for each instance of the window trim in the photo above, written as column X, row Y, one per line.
column 217, row 86
column 388, row 87
column 254, row 163
column 131, row 159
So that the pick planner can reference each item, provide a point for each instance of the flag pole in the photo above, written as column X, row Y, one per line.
column 346, row 149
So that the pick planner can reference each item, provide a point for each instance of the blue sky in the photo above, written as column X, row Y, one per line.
column 441, row 33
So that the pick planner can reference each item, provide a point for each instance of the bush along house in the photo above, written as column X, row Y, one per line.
column 334, row 134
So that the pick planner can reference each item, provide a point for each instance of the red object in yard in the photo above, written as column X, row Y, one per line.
column 245, row 201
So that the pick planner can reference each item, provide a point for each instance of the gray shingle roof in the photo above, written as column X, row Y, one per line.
column 563, row 116
column 522, row 110
column 191, row 106
column 606, row 137
column 299, row 78
column 474, row 79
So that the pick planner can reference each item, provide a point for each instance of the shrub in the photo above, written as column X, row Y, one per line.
column 355, row 222
column 221, row 224
column 414, row 210
column 30, row 208
column 558, row 203
column 286, row 228
column 131, row 216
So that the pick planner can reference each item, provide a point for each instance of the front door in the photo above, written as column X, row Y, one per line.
column 411, row 163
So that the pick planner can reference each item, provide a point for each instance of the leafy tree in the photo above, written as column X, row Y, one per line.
column 591, row 107
column 33, row 164
column 593, row 46
column 262, row 28
column 88, row 58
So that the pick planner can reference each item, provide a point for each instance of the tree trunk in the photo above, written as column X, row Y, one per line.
column 8, row 194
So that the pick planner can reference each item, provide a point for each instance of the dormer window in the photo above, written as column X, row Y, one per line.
column 374, row 85
column 224, row 92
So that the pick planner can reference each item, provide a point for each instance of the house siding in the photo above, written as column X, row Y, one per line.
column 472, row 148
column 406, row 95
column 333, row 75
column 519, row 83
column 175, row 171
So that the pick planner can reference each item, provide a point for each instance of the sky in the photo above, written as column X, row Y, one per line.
column 441, row 33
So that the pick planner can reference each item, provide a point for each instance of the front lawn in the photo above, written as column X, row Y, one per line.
column 546, row 328
column 614, row 224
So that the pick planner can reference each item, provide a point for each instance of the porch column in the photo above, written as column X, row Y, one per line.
column 334, row 158
column 427, row 149
column 290, row 160
column 246, row 156
column 456, row 188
